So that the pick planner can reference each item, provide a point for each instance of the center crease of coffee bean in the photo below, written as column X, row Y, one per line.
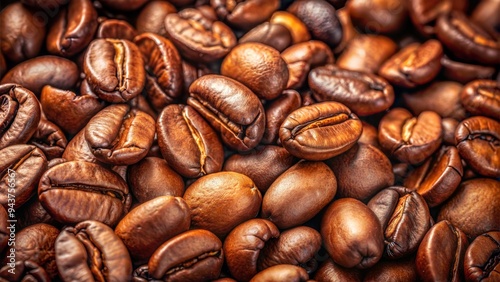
column 119, row 60
column 197, row 138
column 320, row 122
column 189, row 263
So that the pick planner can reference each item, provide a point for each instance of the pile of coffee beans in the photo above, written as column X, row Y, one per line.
column 250, row 140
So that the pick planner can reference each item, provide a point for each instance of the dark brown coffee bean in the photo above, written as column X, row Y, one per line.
column 478, row 142
column 442, row 97
column 19, row 116
column 378, row 16
column 438, row 177
column 376, row 168
column 352, row 234
column 466, row 40
column 320, row 131
column 424, row 13
column 231, row 108
column 465, row 72
column 410, row 139
column 34, row 74
column 22, row 33
column 320, row 18
column 356, row 58
column 296, row 27
column 73, row 28
column 363, row 93
column 329, row 271
column 440, row 256
column 244, row 14
column 192, row 72
column 282, row 272
column 114, row 69
column 164, row 70
column 35, row 244
column 124, row 5
column 195, row 255
column 50, row 139
column 277, row 111
column 393, row 271
column 150, row 224
column 449, row 126
column 188, row 143
column 405, row 219
column 119, row 135
column 93, row 193
column 290, row 201
column 221, row 201
column 463, row 211
column 303, row 57
column 482, row 97
column 69, row 110
column 118, row 29
column 152, row 177
column 481, row 258
column 414, row 65
column 244, row 244
column 263, row 164
column 259, row 67
column 152, row 17
column 79, row 150
column 273, row 35
column 197, row 37
column 108, row 258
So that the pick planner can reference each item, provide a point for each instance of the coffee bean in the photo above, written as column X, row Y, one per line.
column 481, row 258
column 480, row 97
column 243, row 15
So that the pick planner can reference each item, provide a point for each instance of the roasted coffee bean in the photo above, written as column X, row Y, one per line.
column 221, row 201
column 231, row 108
column 197, row 37
column 150, row 224
column 355, row 56
column 259, row 67
column 192, row 72
column 108, row 258
column 378, row 16
column 410, row 139
column 320, row 131
column 34, row 74
column 352, row 234
column 73, row 28
column 303, row 57
column 69, row 110
column 50, row 139
column 119, row 135
column 405, row 219
column 296, row 246
column 164, row 70
column 152, row 17
column 93, row 193
column 263, row 164
column 424, row 13
column 19, row 114
column 282, row 272
column 124, row 5
column 118, row 29
column 32, row 212
column 440, row 256
column 393, row 271
column 273, row 35
column 244, row 14
column 376, row 167
column 114, row 69
column 363, row 93
column 277, row 111
column 152, row 177
column 242, row 247
column 195, row 255
column 35, row 244
column 463, row 211
column 438, row 177
column 478, row 142
column 290, row 201
column 481, row 258
column 449, row 126
column 188, row 143
column 466, row 40
column 442, row 97
column 320, row 18
column 482, row 97
column 465, row 72
column 79, row 150
column 24, row 271
column 329, row 271
column 414, row 65
column 22, row 33
column 297, row 28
